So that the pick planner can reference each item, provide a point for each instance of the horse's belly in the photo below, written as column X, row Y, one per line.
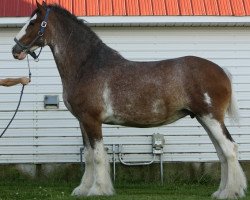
column 141, row 124
column 143, row 119
column 140, row 109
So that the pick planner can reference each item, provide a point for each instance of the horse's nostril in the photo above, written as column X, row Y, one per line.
column 16, row 50
column 13, row 50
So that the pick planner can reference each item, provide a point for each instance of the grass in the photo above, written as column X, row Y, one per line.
column 27, row 190
column 56, row 191
column 16, row 186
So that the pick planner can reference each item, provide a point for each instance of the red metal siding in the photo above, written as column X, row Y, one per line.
column 92, row 7
column 159, row 7
column 198, row 7
column 247, row 6
column 79, row 7
column 16, row 8
column 67, row 5
column 25, row 8
column 185, row 7
column 119, row 7
column 2, row 7
column 211, row 7
column 238, row 7
column 106, row 7
column 172, row 7
column 146, row 7
column 11, row 8
column 225, row 7
column 52, row 1
column 132, row 7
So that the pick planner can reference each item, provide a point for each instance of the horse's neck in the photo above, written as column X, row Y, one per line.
column 69, row 53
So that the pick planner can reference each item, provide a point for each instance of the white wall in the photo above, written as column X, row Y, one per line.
column 38, row 135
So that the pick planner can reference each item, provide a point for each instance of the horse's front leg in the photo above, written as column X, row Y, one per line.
column 97, row 170
column 88, row 177
column 102, row 184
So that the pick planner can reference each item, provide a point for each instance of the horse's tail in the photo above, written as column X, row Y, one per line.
column 233, row 109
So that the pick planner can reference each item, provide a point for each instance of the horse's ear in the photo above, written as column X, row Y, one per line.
column 44, row 5
column 41, row 7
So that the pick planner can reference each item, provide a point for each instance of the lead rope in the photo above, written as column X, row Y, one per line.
column 20, row 99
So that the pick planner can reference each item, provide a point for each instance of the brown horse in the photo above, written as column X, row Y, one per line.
column 100, row 86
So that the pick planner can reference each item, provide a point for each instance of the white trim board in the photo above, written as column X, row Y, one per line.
column 146, row 21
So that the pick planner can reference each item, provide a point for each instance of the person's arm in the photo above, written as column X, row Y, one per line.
column 14, row 81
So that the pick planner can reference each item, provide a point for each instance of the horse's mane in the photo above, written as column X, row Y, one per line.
column 82, row 25
column 62, row 11
column 66, row 13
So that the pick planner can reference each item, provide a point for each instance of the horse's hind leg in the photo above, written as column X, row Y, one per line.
column 222, row 158
column 233, row 183
column 88, row 177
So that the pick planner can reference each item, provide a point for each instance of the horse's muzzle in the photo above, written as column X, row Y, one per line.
column 18, row 53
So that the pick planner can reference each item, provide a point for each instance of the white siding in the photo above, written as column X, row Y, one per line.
column 38, row 135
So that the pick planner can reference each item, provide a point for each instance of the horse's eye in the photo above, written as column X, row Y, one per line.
column 32, row 23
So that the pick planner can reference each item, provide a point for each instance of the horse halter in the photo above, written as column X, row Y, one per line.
column 26, row 48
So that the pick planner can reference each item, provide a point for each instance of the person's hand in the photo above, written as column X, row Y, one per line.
column 25, row 80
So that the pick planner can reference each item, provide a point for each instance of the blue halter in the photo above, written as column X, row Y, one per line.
column 26, row 48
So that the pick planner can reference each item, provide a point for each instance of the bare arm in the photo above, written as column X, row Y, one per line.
column 14, row 81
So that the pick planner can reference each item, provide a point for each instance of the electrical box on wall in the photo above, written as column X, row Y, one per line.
column 158, row 142
column 51, row 101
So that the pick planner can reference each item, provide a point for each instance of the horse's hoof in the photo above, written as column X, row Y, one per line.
column 98, row 191
column 227, row 194
column 216, row 194
column 79, row 191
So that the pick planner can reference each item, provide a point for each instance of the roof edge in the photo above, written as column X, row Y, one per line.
column 168, row 21
column 146, row 21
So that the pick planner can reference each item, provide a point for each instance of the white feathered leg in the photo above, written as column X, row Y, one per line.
column 222, row 158
column 88, row 177
column 234, row 184
column 102, row 181
column 224, row 170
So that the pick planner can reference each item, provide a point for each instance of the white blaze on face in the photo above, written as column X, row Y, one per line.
column 23, row 30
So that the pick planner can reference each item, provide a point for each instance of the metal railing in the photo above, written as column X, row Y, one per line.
column 158, row 142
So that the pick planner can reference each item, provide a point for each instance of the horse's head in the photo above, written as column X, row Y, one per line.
column 33, row 34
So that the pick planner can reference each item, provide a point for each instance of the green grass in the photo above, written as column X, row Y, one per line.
column 16, row 186
column 27, row 189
